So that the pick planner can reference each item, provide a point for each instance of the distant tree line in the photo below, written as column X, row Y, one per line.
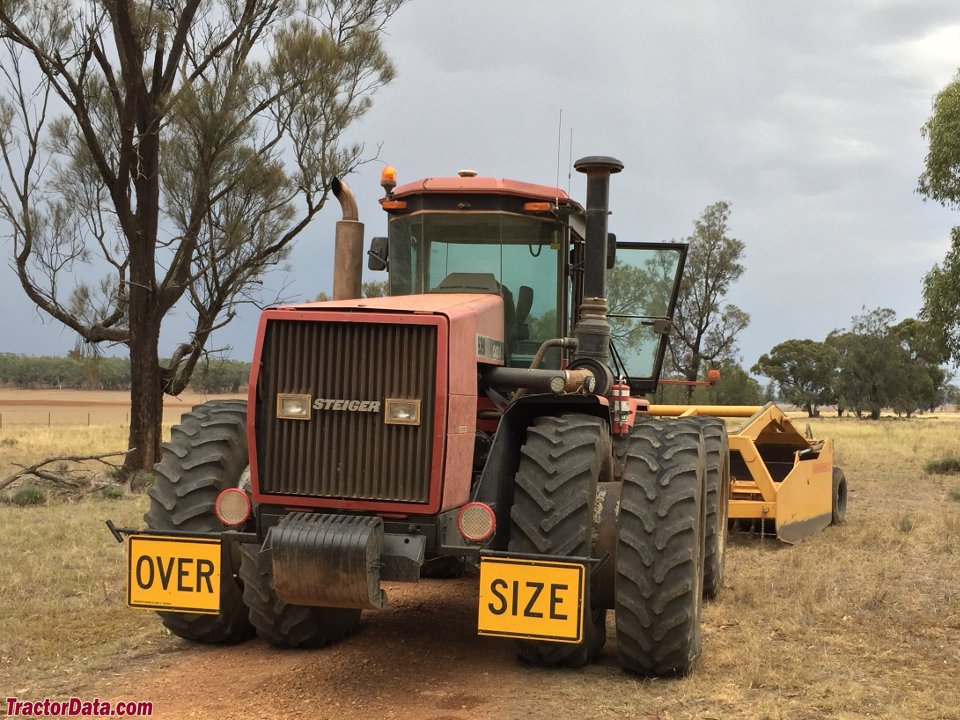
column 213, row 375
column 875, row 364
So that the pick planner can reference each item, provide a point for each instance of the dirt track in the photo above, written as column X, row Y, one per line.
column 420, row 658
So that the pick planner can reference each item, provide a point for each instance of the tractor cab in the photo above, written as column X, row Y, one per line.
column 525, row 242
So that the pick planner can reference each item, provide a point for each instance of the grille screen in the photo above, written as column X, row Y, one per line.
column 342, row 453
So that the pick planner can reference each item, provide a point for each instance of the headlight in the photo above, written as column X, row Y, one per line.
column 293, row 407
column 402, row 412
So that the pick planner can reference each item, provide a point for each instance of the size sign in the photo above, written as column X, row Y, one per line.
column 173, row 573
column 535, row 599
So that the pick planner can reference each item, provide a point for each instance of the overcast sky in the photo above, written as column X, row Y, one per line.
column 805, row 116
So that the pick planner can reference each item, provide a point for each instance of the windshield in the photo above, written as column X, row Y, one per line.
column 641, row 288
column 516, row 256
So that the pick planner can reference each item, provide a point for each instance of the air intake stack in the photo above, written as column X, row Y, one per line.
column 593, row 328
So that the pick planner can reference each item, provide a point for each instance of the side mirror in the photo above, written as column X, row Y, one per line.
column 611, row 250
column 379, row 254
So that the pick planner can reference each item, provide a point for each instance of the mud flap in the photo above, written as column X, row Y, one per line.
column 328, row 560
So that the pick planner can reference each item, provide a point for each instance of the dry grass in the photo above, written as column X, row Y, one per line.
column 62, row 597
column 21, row 446
column 862, row 620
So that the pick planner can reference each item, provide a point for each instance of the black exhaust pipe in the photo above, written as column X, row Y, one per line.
column 593, row 328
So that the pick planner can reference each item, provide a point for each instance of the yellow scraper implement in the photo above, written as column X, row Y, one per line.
column 778, row 477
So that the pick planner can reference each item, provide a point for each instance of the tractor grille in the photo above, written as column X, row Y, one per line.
column 346, row 454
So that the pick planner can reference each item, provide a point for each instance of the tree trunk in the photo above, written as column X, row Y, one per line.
column 146, row 402
column 146, row 389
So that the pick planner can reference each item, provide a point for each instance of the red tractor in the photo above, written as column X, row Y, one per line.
column 489, row 412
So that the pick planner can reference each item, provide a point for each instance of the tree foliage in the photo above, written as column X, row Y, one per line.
column 735, row 387
column 213, row 375
column 941, row 297
column 923, row 354
column 875, row 364
column 804, row 371
column 176, row 149
column 374, row 288
column 940, row 179
column 705, row 326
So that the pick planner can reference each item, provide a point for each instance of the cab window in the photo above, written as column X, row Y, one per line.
column 515, row 256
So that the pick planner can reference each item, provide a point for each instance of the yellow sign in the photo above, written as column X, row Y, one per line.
column 173, row 573
column 531, row 599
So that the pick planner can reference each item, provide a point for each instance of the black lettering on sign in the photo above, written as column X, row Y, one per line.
column 530, row 599
column 183, row 573
column 165, row 576
column 204, row 572
column 537, row 589
column 501, row 584
column 144, row 584
column 554, row 601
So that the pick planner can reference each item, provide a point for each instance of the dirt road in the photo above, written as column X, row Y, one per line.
column 419, row 659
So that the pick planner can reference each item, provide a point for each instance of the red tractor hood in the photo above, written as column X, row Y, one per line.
column 476, row 319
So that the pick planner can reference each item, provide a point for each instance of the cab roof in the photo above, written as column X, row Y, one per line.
column 485, row 186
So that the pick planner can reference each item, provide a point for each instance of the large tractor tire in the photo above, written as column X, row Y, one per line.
column 660, row 548
column 717, row 447
column 555, row 492
column 839, row 506
column 206, row 454
column 280, row 623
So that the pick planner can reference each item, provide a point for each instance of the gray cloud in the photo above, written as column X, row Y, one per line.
column 805, row 116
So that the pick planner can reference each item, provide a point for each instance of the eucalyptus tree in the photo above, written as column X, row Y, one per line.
column 706, row 326
column 175, row 149
column 804, row 370
column 940, row 181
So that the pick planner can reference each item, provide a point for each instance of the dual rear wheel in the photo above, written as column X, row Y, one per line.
column 662, row 534
column 661, row 547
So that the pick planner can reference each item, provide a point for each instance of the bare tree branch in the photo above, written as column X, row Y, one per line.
column 37, row 469
column 176, row 151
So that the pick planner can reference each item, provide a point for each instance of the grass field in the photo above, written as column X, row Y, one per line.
column 861, row 620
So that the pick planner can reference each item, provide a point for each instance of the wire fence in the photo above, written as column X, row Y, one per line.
column 16, row 417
